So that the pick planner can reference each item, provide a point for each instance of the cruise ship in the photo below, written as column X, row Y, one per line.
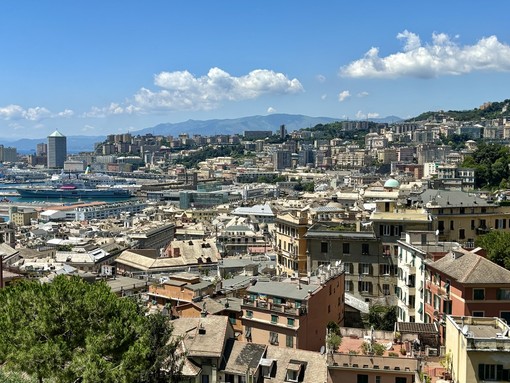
column 71, row 191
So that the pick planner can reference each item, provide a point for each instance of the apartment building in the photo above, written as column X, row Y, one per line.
column 415, row 248
column 478, row 349
column 291, row 228
column 461, row 216
column 294, row 313
column 368, row 272
column 465, row 283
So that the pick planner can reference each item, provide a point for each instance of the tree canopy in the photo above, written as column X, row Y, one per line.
column 381, row 317
column 70, row 330
column 491, row 164
column 497, row 245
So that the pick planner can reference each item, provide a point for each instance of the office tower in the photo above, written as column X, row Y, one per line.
column 41, row 149
column 57, row 150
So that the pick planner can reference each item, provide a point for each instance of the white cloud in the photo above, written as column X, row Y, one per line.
column 361, row 116
column 181, row 90
column 17, row 112
column 442, row 56
column 66, row 113
column 36, row 114
column 321, row 78
column 343, row 95
column 112, row 109
column 362, row 94
column 11, row 112
column 324, row 96
column 271, row 110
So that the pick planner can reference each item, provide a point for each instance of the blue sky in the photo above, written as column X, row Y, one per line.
column 98, row 67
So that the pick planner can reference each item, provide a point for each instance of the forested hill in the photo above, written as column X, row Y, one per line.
column 487, row 111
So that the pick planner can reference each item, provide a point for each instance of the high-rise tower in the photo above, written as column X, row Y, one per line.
column 57, row 150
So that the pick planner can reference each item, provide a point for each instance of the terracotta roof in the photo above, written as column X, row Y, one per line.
column 467, row 267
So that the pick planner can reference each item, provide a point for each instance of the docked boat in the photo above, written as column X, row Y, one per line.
column 71, row 191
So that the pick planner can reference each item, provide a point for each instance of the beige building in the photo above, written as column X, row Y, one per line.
column 461, row 216
column 479, row 349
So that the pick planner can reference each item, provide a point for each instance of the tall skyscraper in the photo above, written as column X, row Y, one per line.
column 57, row 150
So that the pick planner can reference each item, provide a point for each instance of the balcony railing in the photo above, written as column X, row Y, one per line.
column 275, row 307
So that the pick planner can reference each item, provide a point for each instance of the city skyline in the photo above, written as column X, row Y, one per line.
column 102, row 68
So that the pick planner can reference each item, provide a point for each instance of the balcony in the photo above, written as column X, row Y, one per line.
column 274, row 307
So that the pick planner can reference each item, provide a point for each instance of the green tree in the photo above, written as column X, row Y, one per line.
column 497, row 245
column 381, row 317
column 70, row 330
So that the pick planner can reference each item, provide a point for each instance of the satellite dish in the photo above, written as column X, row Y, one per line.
column 437, row 232
column 323, row 350
column 465, row 329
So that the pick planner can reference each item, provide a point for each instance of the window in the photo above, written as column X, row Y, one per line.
column 447, row 307
column 365, row 268
column 386, row 289
column 346, row 248
column 290, row 322
column 348, row 268
column 364, row 248
column 451, row 225
column 479, row 314
column 437, row 302
column 348, row 286
column 504, row 294
column 365, row 287
column 505, row 315
column 377, row 379
column 324, row 247
column 400, row 379
column 362, row 378
column 329, row 309
column 478, row 294
column 247, row 333
column 490, row 371
column 386, row 230
column 274, row 318
column 289, row 341
column 385, row 269
column 249, row 314
column 428, row 297
column 462, row 234
column 273, row 337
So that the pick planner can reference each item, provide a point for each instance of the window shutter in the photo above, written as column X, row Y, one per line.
column 381, row 230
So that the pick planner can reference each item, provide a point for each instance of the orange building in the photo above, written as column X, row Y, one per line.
column 294, row 313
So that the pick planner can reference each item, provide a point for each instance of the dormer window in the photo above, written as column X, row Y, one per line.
column 295, row 371
column 267, row 367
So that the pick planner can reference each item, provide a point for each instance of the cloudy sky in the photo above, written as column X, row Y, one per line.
column 98, row 67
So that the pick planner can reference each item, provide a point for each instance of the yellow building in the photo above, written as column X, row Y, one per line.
column 290, row 242
column 23, row 217
column 461, row 217
column 477, row 349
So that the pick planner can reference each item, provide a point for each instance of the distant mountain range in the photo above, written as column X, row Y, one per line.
column 207, row 128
